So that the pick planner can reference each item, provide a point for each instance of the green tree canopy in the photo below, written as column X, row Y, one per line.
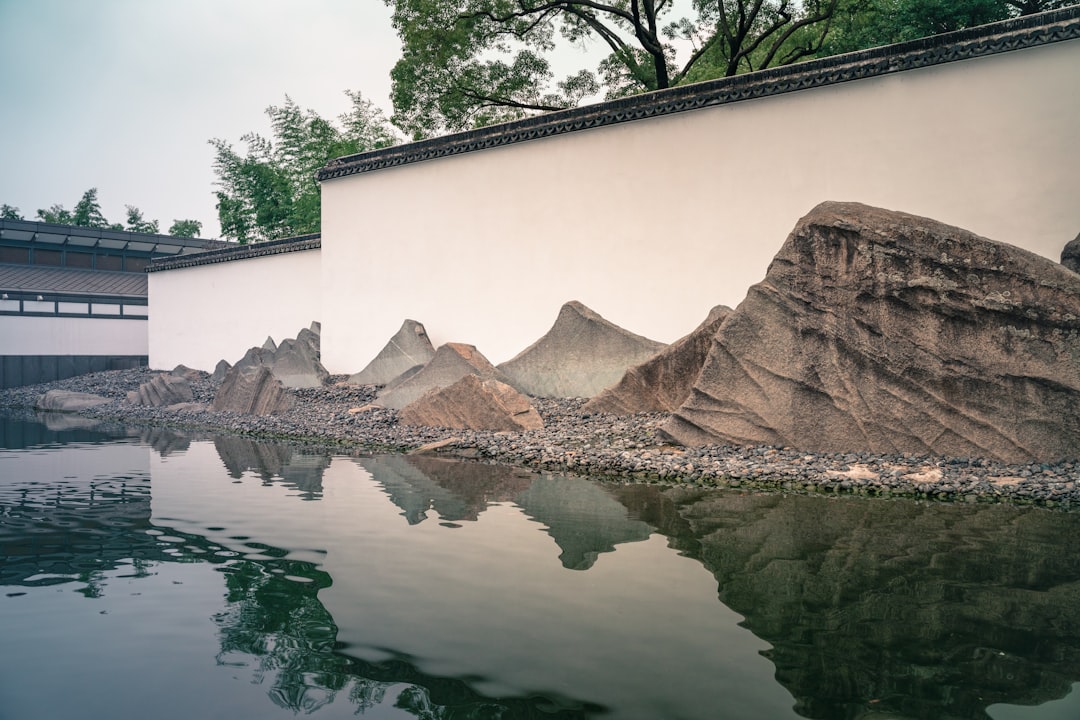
column 87, row 213
column 861, row 24
column 9, row 212
column 136, row 223
column 270, row 192
column 185, row 228
column 468, row 63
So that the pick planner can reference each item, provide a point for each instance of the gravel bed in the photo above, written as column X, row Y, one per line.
column 598, row 445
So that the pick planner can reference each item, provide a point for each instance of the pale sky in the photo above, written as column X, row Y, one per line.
column 123, row 95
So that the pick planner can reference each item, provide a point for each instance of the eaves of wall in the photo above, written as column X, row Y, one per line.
column 1016, row 34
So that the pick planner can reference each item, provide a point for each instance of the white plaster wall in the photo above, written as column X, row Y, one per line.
column 200, row 315
column 21, row 335
column 653, row 222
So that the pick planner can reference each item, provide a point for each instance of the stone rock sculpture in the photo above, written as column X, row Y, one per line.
column 220, row 370
column 1070, row 255
column 474, row 404
column 886, row 332
column 578, row 357
column 296, row 363
column 252, row 390
column 409, row 348
column 162, row 390
column 663, row 382
column 450, row 363
column 68, row 401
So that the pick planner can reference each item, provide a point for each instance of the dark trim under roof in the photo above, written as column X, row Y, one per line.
column 1016, row 34
column 238, row 252
column 89, row 239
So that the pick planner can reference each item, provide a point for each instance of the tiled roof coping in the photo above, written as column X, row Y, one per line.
column 1005, row 36
column 28, row 230
column 238, row 252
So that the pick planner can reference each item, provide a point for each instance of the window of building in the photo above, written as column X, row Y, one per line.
column 79, row 259
column 48, row 257
column 110, row 262
column 136, row 264
column 16, row 255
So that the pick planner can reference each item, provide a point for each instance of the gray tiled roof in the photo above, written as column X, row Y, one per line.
column 238, row 252
column 34, row 278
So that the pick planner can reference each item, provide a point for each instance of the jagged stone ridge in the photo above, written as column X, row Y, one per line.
column 451, row 362
column 578, row 357
column 663, row 382
column 410, row 347
column 880, row 331
column 474, row 404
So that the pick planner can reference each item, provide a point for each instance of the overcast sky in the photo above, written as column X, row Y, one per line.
column 123, row 95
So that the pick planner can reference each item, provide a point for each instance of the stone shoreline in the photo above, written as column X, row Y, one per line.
column 624, row 448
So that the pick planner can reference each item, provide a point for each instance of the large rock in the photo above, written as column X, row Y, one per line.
column 296, row 362
column 881, row 331
column 220, row 370
column 663, row 382
column 473, row 404
column 581, row 355
column 161, row 390
column 451, row 362
column 252, row 390
column 1070, row 255
column 68, row 401
column 409, row 348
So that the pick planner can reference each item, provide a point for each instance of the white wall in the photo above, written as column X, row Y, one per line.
column 200, row 315
column 20, row 335
column 653, row 222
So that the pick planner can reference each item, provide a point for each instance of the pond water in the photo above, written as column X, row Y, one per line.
column 151, row 574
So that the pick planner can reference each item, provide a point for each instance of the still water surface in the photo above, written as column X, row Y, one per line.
column 159, row 575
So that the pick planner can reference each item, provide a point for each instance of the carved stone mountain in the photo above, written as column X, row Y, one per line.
column 409, row 348
column 1070, row 255
column 68, row 401
column 474, row 404
column 296, row 362
column 886, row 332
column 578, row 357
column 663, row 382
column 252, row 390
column 162, row 390
column 452, row 361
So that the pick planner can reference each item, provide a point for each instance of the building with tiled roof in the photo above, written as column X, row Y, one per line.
column 74, row 299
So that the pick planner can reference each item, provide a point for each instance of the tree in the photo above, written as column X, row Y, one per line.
column 87, row 212
column 185, row 228
column 136, row 223
column 271, row 191
column 9, row 212
column 467, row 63
column 56, row 214
column 861, row 24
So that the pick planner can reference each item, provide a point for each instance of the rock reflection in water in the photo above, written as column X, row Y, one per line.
column 274, row 462
column 918, row 610
column 454, row 490
column 872, row 608
column 582, row 518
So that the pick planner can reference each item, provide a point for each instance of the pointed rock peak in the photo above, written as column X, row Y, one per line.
column 407, row 349
column 473, row 403
column 451, row 362
column 580, row 355
column 468, row 353
column 1070, row 255
column 663, row 382
column 315, row 327
column 880, row 331
column 269, row 344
